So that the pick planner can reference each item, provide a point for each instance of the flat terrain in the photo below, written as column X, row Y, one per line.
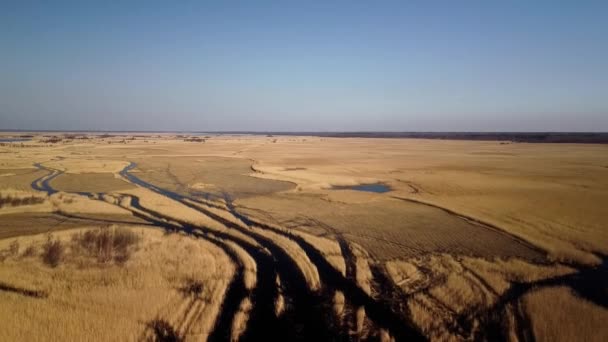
column 259, row 237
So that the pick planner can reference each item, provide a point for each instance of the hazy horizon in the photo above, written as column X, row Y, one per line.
column 288, row 132
column 314, row 67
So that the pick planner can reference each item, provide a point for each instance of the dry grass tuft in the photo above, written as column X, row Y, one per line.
column 107, row 243
column 339, row 302
column 329, row 248
column 30, row 251
column 13, row 248
column 164, row 332
column 250, row 268
column 52, row 251
column 192, row 287
column 9, row 201
column 239, row 323
column 17, row 201
column 360, row 321
column 279, row 302
column 363, row 273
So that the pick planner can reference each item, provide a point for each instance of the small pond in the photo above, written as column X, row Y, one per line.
column 375, row 187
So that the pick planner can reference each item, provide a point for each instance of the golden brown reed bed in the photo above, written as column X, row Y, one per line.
column 507, row 207
column 85, row 298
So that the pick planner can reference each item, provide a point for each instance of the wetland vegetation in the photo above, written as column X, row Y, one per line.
column 276, row 238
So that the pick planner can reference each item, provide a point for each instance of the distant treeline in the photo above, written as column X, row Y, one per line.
column 530, row 137
column 553, row 137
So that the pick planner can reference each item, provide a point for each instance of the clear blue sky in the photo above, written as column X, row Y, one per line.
column 301, row 66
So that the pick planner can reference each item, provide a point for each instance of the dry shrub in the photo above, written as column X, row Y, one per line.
column 52, row 251
column 30, row 251
column 192, row 288
column 51, row 140
column 107, row 243
column 10, row 201
column 164, row 332
column 13, row 248
column 194, row 139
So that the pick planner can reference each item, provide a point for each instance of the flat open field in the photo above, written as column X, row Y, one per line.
column 242, row 237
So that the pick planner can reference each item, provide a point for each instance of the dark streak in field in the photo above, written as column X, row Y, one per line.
column 304, row 319
column 24, row 292
column 591, row 283
column 307, row 311
column 107, row 221
column 540, row 253
column 400, row 327
column 306, row 304
column 236, row 290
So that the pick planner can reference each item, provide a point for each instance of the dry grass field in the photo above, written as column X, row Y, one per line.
column 84, row 298
column 242, row 237
column 90, row 182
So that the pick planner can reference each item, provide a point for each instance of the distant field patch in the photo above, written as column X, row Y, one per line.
column 208, row 176
column 19, row 179
column 12, row 225
column 390, row 229
column 90, row 182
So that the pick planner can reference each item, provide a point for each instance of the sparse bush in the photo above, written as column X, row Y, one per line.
column 52, row 140
column 107, row 244
column 164, row 332
column 52, row 251
column 192, row 287
column 29, row 251
column 13, row 248
column 17, row 201
column 194, row 139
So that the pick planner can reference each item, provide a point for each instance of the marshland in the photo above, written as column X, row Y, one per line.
column 249, row 237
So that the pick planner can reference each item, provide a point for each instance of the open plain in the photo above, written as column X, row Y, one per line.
column 254, row 237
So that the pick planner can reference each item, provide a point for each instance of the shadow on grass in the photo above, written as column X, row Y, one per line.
column 164, row 332
column 25, row 292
